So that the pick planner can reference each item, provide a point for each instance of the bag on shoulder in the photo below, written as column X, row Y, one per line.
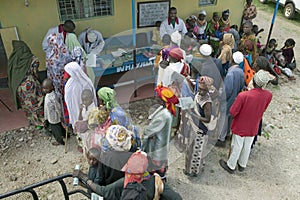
column 134, row 191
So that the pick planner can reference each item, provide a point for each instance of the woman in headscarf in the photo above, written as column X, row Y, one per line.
column 77, row 52
column 157, row 134
column 197, row 127
column 56, row 59
column 77, row 82
column 226, row 52
column 117, row 115
column 23, row 82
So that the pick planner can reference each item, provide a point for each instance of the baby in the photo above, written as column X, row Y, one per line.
column 87, row 105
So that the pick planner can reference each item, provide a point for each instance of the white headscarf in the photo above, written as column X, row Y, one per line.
column 73, row 89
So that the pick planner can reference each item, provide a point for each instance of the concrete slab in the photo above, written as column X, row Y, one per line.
column 10, row 117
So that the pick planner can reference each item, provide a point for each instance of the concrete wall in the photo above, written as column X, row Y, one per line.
column 34, row 21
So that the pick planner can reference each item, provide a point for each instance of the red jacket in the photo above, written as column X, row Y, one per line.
column 247, row 111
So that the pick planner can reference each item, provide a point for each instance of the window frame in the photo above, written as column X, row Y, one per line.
column 207, row 4
column 75, row 17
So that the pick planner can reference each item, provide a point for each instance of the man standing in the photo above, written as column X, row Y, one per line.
column 172, row 24
column 67, row 27
column 249, row 12
column 234, row 83
column 247, row 111
column 91, row 41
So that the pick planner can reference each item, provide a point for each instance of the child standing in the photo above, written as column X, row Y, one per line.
column 288, row 53
column 52, row 112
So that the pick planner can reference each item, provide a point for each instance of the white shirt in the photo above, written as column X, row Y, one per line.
column 52, row 109
column 85, row 111
column 166, row 28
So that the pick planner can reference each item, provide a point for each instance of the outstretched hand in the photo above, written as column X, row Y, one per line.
column 79, row 174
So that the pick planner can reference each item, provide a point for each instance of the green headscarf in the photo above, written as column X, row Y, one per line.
column 19, row 63
column 72, row 42
column 108, row 96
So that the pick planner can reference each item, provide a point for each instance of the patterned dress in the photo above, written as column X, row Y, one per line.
column 56, row 59
column 31, row 98
column 197, row 138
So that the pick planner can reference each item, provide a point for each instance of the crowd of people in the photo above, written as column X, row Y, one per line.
column 210, row 76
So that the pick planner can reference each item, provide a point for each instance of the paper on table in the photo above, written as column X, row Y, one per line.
column 91, row 60
column 186, row 103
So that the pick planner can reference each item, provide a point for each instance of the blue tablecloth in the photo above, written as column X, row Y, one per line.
column 141, row 61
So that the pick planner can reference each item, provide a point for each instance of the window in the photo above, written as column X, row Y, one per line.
column 81, row 9
column 207, row 2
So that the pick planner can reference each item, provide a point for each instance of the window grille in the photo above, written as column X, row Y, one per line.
column 207, row 2
column 81, row 9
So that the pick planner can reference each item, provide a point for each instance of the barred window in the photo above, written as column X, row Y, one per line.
column 81, row 9
column 207, row 2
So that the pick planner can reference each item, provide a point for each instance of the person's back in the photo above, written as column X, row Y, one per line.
column 247, row 115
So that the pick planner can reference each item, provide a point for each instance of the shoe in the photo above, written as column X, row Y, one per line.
column 221, row 143
column 225, row 166
column 55, row 143
column 227, row 138
column 189, row 174
column 240, row 168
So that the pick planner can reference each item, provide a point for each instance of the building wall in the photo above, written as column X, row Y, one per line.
column 34, row 21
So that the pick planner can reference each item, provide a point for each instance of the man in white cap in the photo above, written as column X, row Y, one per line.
column 91, row 40
column 209, row 67
column 172, row 24
column 246, row 121
column 201, row 23
column 234, row 83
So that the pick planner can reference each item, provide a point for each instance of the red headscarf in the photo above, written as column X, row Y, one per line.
column 168, row 96
column 176, row 53
column 135, row 168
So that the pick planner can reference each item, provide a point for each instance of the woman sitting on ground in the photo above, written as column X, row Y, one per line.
column 23, row 82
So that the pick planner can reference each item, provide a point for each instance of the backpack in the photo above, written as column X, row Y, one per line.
column 134, row 191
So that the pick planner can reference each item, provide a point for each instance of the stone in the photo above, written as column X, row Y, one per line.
column 13, row 178
column 53, row 161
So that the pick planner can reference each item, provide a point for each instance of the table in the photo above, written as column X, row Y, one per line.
column 108, row 76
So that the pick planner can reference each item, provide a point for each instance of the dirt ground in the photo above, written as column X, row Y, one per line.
column 273, row 171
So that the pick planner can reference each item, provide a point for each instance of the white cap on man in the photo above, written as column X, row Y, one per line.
column 205, row 49
column 176, row 38
column 238, row 57
column 91, row 36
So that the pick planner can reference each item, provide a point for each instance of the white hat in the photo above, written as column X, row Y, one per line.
column 238, row 57
column 205, row 49
column 261, row 78
column 176, row 38
column 202, row 12
column 91, row 36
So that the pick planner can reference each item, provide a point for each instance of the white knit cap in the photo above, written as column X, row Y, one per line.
column 91, row 36
column 238, row 57
column 176, row 38
column 205, row 49
column 261, row 78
